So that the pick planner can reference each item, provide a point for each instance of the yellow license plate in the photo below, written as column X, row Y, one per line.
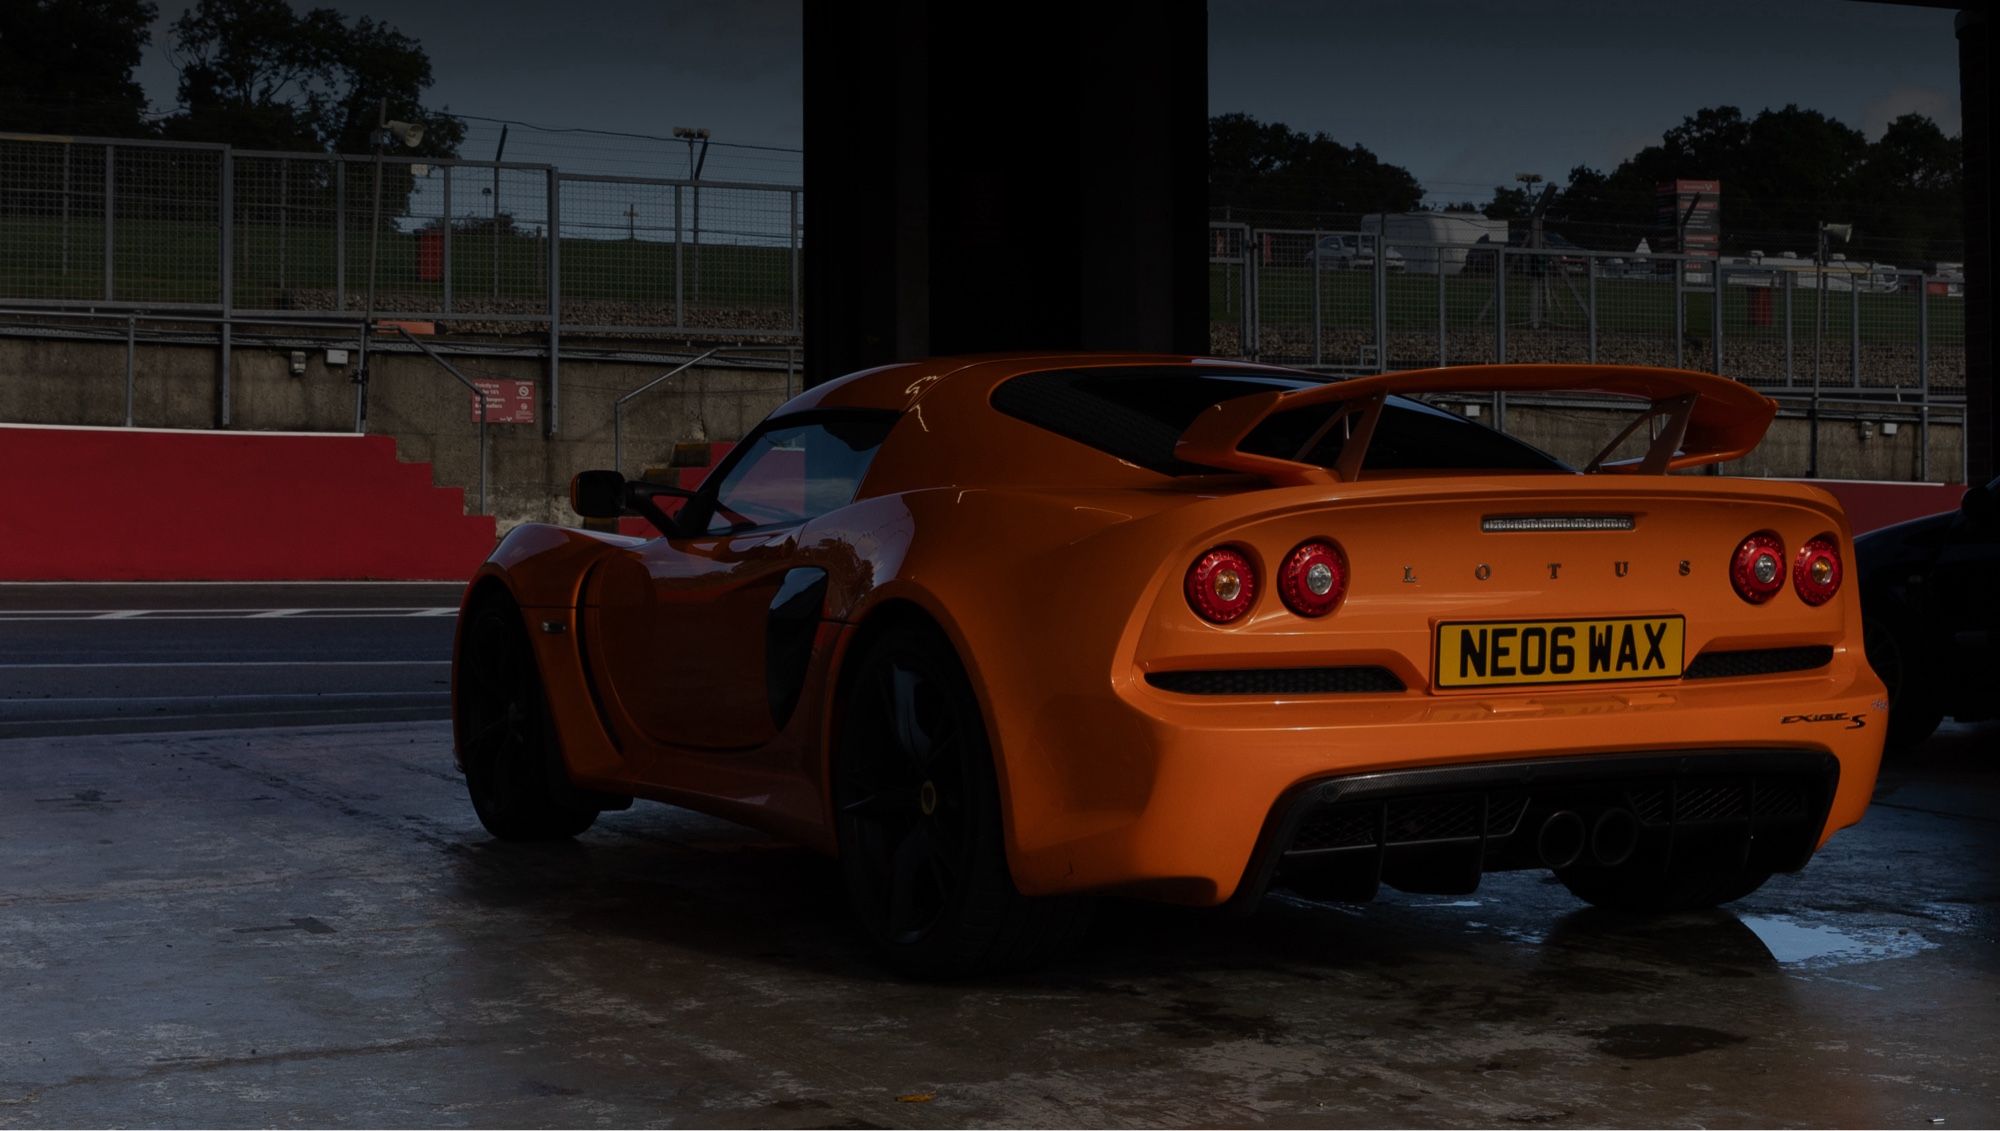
column 1500, row 653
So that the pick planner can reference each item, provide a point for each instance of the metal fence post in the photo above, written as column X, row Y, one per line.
column 553, row 396
column 1380, row 280
column 1923, row 378
column 1443, row 322
column 1319, row 332
column 131, row 347
column 794, row 222
column 1590, row 303
column 1791, row 288
column 339, row 233
column 496, row 229
column 227, row 220
column 446, row 249
column 110, row 217
column 1715, row 317
column 284, row 167
column 1500, row 331
column 1680, row 313
column 680, row 299
column 67, row 147
column 1853, row 332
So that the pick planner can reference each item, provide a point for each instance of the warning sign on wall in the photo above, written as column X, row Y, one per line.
column 507, row 401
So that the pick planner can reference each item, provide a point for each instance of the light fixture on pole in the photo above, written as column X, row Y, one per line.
column 692, row 135
column 387, row 132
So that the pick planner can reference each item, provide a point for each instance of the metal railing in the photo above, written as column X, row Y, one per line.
column 618, row 406
column 1798, row 330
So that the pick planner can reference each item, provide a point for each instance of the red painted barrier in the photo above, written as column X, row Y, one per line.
column 117, row 504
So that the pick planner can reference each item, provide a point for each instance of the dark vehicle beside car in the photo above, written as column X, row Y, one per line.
column 1930, row 601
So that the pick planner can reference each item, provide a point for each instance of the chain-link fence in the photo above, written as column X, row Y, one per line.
column 484, row 245
column 1352, row 302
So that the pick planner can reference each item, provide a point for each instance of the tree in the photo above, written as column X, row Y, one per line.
column 1268, row 167
column 1782, row 172
column 66, row 66
column 257, row 75
column 1509, row 204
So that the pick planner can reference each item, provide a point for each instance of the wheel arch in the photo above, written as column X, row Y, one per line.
column 892, row 608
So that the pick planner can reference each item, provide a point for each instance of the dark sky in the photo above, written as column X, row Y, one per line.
column 1463, row 94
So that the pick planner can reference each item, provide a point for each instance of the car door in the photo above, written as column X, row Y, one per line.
column 681, row 625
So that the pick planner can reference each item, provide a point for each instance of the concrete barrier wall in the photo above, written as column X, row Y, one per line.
column 410, row 398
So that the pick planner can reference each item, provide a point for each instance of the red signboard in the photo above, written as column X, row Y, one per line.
column 507, row 401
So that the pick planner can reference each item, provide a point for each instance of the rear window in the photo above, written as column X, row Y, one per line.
column 1137, row 414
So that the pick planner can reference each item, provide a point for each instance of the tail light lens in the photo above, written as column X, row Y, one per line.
column 1816, row 572
column 1758, row 569
column 1313, row 578
column 1221, row 585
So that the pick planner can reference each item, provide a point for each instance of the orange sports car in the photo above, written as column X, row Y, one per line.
column 1006, row 632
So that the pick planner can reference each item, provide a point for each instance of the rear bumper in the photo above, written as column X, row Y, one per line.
column 1439, row 829
column 1193, row 798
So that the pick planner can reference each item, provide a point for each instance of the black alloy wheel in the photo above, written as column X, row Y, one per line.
column 513, row 771
column 917, row 805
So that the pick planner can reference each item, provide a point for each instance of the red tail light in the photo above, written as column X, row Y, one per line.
column 1816, row 572
column 1313, row 579
column 1758, row 569
column 1221, row 585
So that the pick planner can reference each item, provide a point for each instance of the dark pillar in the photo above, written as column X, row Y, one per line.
column 986, row 178
column 1982, row 430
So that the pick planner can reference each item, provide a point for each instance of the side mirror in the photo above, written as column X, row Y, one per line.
column 1980, row 506
column 597, row 494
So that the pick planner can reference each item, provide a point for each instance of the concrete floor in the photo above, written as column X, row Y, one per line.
column 269, row 927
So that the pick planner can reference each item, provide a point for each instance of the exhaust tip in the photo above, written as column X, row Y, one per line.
column 1614, row 837
column 1561, row 840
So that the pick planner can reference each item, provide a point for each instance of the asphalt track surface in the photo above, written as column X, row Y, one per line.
column 96, row 659
column 250, row 924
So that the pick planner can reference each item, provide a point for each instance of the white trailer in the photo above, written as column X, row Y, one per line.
column 1424, row 238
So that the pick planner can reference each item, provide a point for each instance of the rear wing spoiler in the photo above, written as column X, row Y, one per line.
column 1703, row 418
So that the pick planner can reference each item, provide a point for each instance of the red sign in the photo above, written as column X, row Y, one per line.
column 507, row 401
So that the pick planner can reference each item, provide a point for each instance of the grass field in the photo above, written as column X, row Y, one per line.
column 293, row 267
column 170, row 261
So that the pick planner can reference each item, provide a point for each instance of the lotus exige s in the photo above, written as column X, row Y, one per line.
column 1006, row 632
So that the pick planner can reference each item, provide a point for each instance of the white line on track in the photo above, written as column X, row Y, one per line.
column 235, row 664
column 156, row 615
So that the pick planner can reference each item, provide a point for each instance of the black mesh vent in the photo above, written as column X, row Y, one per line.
column 1721, row 801
column 1434, row 818
column 1780, row 799
column 1759, row 661
column 1505, row 813
column 1278, row 681
column 1337, row 826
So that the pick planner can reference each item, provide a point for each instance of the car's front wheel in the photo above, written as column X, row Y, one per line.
column 513, row 770
column 917, row 803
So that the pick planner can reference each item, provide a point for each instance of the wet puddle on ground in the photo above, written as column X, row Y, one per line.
column 1803, row 945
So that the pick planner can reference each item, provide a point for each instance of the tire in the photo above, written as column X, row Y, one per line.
column 1913, row 711
column 917, row 809
column 513, row 768
column 1653, row 893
